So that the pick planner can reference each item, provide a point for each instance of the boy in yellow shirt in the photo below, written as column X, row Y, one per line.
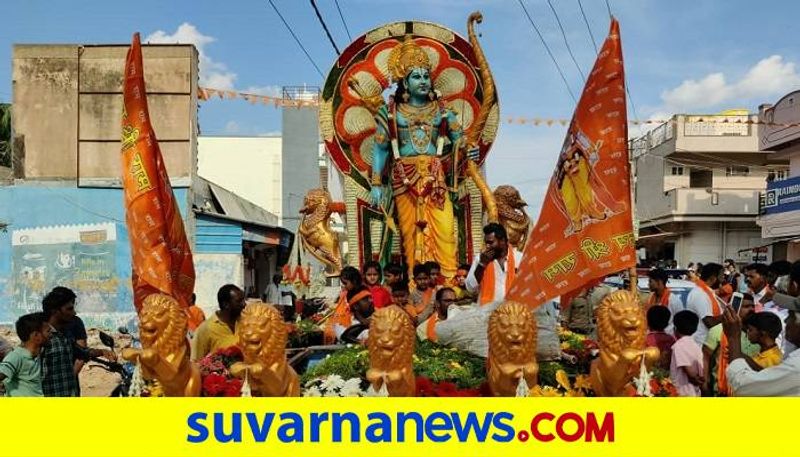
column 762, row 329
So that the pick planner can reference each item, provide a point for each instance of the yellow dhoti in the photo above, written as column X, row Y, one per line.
column 578, row 196
column 425, row 213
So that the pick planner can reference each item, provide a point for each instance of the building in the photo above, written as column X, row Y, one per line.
column 248, row 166
column 780, row 212
column 253, row 168
column 64, row 205
column 697, row 186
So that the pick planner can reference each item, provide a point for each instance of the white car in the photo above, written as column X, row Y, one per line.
column 679, row 287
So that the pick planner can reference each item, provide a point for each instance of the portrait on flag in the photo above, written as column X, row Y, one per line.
column 585, row 228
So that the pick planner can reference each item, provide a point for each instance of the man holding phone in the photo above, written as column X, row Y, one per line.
column 493, row 270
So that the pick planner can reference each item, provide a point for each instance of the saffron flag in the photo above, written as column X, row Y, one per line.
column 160, row 253
column 585, row 228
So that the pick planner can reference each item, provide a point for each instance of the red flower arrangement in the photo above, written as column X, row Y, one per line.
column 428, row 388
column 217, row 380
column 660, row 386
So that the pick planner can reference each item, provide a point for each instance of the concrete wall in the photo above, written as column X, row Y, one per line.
column 68, row 103
column 250, row 167
column 712, row 242
column 54, row 230
column 300, row 152
column 213, row 271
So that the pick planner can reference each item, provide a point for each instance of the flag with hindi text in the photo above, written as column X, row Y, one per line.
column 585, row 228
column 160, row 252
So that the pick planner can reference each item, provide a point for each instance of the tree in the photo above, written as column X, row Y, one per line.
column 5, row 134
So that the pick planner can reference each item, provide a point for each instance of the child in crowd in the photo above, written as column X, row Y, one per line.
column 422, row 295
column 762, row 329
column 392, row 274
column 657, row 321
column 400, row 297
column 21, row 369
column 435, row 279
column 463, row 296
column 686, row 367
column 372, row 279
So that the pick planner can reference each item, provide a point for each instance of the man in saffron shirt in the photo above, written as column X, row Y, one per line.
column 661, row 295
column 444, row 298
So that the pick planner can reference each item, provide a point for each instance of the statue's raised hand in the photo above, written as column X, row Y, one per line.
column 474, row 154
column 376, row 195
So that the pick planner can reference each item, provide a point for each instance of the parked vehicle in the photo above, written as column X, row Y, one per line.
column 124, row 370
column 679, row 287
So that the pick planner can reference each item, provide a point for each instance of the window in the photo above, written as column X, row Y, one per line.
column 777, row 175
column 677, row 171
column 736, row 170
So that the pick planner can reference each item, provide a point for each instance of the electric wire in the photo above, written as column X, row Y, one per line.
column 325, row 27
column 566, row 42
column 547, row 48
column 346, row 29
column 297, row 40
column 589, row 28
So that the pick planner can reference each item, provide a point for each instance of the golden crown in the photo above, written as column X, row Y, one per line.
column 405, row 57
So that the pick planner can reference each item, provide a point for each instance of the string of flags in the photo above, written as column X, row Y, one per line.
column 206, row 94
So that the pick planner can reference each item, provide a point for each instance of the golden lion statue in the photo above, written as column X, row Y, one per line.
column 621, row 329
column 391, row 350
column 512, row 349
column 164, row 355
column 315, row 230
column 262, row 338
column 512, row 215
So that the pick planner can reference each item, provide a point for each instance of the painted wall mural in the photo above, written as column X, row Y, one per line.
column 81, row 257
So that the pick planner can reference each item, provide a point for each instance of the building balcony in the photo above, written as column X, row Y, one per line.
column 701, row 204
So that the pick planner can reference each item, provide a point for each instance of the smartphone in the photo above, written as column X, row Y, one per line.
column 736, row 301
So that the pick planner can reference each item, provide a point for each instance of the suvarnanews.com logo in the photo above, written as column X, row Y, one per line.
column 400, row 427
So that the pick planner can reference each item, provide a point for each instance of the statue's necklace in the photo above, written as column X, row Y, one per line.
column 420, row 124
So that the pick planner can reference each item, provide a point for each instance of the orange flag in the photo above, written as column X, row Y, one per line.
column 160, row 253
column 585, row 230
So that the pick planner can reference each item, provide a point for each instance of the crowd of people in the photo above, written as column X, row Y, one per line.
column 734, row 333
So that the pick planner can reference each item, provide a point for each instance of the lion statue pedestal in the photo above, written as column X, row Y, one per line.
column 165, row 351
column 262, row 338
column 512, row 349
column 621, row 329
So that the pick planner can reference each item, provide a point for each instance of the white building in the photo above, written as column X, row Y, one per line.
column 250, row 167
column 697, row 186
column 780, row 212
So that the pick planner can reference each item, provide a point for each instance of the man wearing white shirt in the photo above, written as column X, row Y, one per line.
column 493, row 269
column 777, row 381
column 756, row 275
column 702, row 300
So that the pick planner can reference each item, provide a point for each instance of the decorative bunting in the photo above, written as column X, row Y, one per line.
column 205, row 94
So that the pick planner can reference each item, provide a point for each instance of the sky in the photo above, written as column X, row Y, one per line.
column 680, row 56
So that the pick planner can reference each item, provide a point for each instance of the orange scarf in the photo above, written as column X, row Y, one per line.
column 431, row 330
column 487, row 283
column 722, row 364
column 664, row 298
column 342, row 315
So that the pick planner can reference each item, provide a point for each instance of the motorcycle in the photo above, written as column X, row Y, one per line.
column 124, row 370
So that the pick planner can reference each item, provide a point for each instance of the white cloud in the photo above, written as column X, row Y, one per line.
column 769, row 77
column 232, row 127
column 213, row 74
column 270, row 91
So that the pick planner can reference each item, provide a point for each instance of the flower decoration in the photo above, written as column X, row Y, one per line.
column 217, row 380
